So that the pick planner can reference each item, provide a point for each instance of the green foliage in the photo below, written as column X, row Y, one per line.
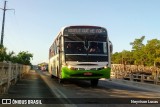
column 138, row 50
column 152, row 49
column 116, row 58
column 137, row 43
column 2, row 53
column 124, row 57
column 141, row 54
column 22, row 57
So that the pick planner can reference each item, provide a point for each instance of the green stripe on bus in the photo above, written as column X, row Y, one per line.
column 80, row 74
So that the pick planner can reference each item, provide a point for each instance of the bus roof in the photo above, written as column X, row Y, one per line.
column 82, row 26
column 77, row 26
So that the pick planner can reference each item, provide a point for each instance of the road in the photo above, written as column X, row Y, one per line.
column 31, row 87
column 81, row 93
column 39, row 85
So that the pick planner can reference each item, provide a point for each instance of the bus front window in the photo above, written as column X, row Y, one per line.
column 75, row 48
column 97, row 48
column 84, row 48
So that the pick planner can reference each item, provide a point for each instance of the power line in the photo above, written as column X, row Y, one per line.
column 3, row 21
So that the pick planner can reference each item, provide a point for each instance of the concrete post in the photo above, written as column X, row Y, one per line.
column 20, row 72
column 16, row 78
column 9, row 76
column 156, row 78
column 131, row 77
column 142, row 78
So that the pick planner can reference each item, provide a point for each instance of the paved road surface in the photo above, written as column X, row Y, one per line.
column 39, row 85
column 31, row 87
column 82, row 91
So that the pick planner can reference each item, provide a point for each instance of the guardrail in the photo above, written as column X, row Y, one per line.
column 10, row 73
column 138, row 73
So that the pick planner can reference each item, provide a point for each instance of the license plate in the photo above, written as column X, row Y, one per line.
column 87, row 73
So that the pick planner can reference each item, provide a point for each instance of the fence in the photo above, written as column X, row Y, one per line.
column 136, row 73
column 10, row 73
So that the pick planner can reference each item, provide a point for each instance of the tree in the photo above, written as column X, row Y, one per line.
column 116, row 58
column 24, row 57
column 3, row 53
column 8, row 57
column 141, row 54
column 127, row 57
column 138, row 50
column 138, row 43
column 152, row 50
column 124, row 57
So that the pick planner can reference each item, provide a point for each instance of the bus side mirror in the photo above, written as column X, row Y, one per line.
column 110, row 46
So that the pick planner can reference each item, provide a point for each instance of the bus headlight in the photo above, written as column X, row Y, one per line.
column 72, row 68
column 105, row 67
column 69, row 67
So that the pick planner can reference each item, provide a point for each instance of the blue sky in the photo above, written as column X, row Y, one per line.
column 36, row 23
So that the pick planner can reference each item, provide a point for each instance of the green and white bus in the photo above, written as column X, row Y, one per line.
column 81, row 52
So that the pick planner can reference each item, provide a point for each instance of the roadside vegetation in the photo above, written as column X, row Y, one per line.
column 141, row 54
column 23, row 57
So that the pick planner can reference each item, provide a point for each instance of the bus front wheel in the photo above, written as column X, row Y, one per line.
column 52, row 76
column 60, row 80
column 94, row 82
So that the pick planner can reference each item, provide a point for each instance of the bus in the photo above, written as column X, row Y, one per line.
column 81, row 52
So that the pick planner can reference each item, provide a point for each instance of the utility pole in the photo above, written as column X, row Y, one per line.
column 3, row 21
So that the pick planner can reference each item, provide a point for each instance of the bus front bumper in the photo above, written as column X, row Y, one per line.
column 68, row 73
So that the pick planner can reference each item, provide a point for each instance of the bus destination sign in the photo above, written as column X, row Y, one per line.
column 85, row 31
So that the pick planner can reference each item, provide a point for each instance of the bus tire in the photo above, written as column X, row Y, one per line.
column 60, row 81
column 52, row 76
column 94, row 82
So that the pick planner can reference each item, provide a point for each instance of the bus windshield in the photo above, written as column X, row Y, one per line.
column 85, row 48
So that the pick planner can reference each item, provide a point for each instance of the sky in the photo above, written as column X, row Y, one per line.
column 35, row 23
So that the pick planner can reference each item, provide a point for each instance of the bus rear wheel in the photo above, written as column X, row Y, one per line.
column 94, row 82
column 60, row 80
column 52, row 76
